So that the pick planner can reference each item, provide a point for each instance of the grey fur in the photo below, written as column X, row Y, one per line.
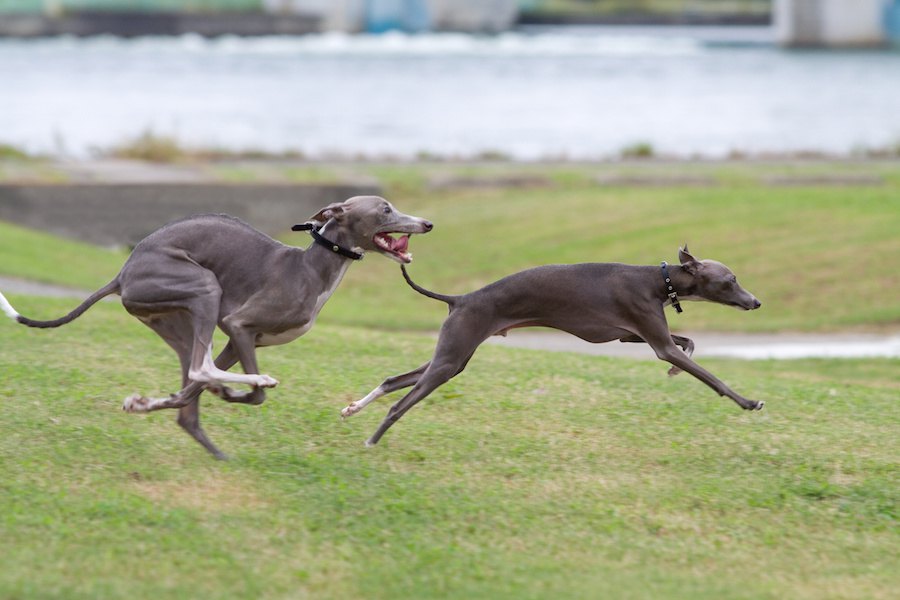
column 192, row 275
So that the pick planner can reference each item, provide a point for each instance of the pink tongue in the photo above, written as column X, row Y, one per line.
column 400, row 245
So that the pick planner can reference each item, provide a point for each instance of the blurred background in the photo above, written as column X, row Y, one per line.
column 524, row 80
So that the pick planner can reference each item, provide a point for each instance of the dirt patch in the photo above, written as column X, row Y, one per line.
column 730, row 345
column 656, row 181
column 511, row 181
column 221, row 493
column 824, row 181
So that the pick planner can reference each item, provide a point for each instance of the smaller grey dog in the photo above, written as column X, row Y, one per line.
column 598, row 302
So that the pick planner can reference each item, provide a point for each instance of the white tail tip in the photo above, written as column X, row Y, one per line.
column 7, row 308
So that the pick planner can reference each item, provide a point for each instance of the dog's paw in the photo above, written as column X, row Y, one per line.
column 350, row 410
column 135, row 403
column 265, row 381
column 753, row 405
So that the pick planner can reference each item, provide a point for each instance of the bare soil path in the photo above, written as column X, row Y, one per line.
column 708, row 344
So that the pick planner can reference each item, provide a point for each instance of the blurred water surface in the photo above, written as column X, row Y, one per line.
column 531, row 94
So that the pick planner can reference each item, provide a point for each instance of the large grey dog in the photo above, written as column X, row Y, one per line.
column 192, row 275
column 598, row 302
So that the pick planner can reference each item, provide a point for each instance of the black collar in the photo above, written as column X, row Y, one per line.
column 669, row 289
column 317, row 237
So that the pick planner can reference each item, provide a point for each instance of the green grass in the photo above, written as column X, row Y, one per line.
column 813, row 255
column 531, row 475
column 30, row 254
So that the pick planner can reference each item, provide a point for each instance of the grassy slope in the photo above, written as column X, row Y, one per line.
column 814, row 255
column 30, row 254
column 529, row 476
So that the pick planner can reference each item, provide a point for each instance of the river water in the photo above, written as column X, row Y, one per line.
column 578, row 93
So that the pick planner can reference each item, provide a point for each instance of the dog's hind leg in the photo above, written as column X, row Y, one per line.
column 189, row 420
column 391, row 384
column 175, row 329
column 461, row 335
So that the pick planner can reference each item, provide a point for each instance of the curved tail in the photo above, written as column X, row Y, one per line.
column 451, row 300
column 110, row 288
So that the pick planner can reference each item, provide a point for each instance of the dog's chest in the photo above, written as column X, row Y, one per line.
column 289, row 335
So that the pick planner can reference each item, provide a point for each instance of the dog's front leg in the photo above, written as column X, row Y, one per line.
column 664, row 346
column 255, row 396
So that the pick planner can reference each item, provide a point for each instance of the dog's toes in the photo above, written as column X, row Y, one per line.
column 760, row 405
column 265, row 381
column 135, row 403
column 349, row 411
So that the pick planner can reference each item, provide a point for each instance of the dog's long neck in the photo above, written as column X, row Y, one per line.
column 329, row 266
column 682, row 282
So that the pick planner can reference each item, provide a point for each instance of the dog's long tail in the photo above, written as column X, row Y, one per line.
column 110, row 288
column 451, row 300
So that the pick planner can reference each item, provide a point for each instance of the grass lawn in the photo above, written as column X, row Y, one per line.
column 531, row 475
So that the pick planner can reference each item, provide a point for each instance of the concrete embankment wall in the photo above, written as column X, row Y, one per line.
column 122, row 215
column 136, row 23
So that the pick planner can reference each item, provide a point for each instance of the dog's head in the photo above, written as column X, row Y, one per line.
column 372, row 222
column 714, row 282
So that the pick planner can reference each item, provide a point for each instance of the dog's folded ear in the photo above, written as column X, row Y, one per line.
column 687, row 261
column 332, row 211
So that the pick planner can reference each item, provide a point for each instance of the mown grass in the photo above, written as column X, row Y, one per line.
column 815, row 254
column 38, row 256
column 531, row 475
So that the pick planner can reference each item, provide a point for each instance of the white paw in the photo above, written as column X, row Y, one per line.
column 350, row 410
column 135, row 403
column 265, row 381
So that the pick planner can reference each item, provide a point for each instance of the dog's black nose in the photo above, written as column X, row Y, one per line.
column 756, row 304
column 428, row 225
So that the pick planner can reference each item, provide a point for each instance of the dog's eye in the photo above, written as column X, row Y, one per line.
column 386, row 210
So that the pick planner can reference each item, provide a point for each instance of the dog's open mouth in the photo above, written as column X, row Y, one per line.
column 396, row 248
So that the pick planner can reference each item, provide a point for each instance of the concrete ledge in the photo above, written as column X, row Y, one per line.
column 122, row 215
column 137, row 23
